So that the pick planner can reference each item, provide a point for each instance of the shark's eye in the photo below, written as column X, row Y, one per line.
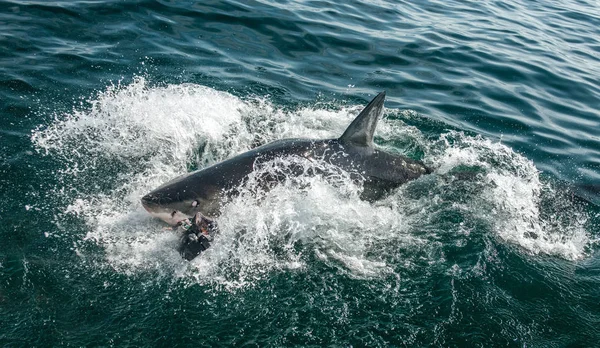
column 194, row 204
column 173, row 213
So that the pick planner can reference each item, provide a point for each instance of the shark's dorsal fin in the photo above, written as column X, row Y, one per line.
column 360, row 132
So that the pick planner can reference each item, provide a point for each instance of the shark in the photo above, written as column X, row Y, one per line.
column 206, row 190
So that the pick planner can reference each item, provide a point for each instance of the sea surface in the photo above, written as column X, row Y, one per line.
column 103, row 100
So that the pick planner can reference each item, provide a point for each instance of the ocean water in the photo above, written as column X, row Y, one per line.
column 104, row 100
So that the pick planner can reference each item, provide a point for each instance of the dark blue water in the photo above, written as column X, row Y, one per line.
column 102, row 101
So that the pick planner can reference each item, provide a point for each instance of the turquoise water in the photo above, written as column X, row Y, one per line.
column 103, row 100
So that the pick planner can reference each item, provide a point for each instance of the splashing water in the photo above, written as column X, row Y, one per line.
column 133, row 138
column 513, row 197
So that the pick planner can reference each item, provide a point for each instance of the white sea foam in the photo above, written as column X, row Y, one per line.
column 514, row 196
column 153, row 134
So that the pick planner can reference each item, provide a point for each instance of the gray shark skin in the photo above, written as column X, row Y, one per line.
column 205, row 190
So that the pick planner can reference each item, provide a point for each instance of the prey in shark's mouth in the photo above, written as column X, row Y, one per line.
column 205, row 190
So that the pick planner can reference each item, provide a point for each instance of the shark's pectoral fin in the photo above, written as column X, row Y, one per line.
column 361, row 130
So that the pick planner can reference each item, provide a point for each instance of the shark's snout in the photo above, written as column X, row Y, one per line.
column 164, row 208
column 155, row 203
column 149, row 202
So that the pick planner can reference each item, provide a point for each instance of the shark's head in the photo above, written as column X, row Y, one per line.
column 181, row 198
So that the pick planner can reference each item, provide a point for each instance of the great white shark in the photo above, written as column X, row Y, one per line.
column 206, row 190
